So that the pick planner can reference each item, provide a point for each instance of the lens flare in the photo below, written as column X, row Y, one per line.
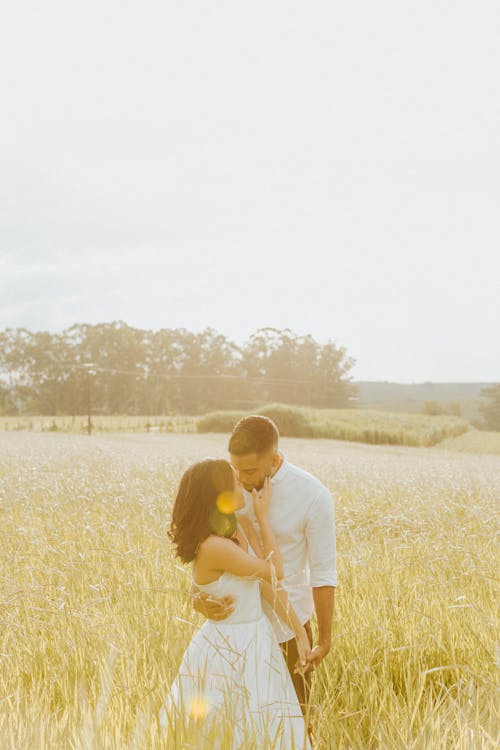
column 198, row 707
column 223, row 524
column 227, row 502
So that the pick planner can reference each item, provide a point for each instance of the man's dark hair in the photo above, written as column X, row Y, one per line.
column 253, row 434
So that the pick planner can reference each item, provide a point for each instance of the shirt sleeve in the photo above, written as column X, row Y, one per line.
column 320, row 537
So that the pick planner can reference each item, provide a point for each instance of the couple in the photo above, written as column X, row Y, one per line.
column 260, row 535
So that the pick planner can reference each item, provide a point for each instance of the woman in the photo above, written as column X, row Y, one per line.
column 233, row 688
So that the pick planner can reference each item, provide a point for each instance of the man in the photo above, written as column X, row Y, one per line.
column 302, row 518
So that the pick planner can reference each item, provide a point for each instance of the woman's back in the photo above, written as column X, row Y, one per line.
column 245, row 590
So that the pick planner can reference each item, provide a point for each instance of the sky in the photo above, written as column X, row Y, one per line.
column 328, row 167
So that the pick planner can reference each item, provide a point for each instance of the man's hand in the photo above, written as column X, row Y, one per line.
column 316, row 656
column 212, row 607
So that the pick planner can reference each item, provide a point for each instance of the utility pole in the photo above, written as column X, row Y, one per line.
column 73, row 396
column 90, row 372
column 89, row 404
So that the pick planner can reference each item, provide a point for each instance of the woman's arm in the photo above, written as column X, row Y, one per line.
column 278, row 599
column 251, row 535
column 261, row 506
column 219, row 554
column 276, row 596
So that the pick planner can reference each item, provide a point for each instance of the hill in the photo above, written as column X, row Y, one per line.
column 410, row 397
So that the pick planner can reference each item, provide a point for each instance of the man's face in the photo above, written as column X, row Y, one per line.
column 253, row 468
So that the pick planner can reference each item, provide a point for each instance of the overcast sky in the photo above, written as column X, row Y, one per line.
column 331, row 167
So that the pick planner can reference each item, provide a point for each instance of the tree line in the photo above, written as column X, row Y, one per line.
column 126, row 370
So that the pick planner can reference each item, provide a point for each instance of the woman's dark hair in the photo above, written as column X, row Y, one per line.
column 195, row 514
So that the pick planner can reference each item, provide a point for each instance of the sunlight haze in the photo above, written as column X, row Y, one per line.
column 326, row 167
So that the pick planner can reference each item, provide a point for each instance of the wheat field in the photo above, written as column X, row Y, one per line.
column 358, row 425
column 95, row 617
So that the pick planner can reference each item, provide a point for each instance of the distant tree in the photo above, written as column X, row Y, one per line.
column 118, row 351
column 270, row 357
column 7, row 402
column 164, row 355
column 297, row 370
column 34, row 364
column 333, row 386
column 490, row 408
column 137, row 371
column 207, row 358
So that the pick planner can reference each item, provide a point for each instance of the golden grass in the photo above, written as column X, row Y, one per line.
column 384, row 427
column 358, row 425
column 94, row 615
column 355, row 425
column 100, row 423
column 474, row 441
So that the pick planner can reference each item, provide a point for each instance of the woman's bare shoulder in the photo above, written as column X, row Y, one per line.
column 212, row 542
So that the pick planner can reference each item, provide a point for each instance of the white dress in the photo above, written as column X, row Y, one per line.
column 233, row 680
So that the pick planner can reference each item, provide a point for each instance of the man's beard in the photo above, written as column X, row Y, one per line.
column 258, row 486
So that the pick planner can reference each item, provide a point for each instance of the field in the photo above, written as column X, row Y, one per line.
column 410, row 397
column 94, row 614
column 383, row 427
column 474, row 441
column 356, row 425
column 100, row 423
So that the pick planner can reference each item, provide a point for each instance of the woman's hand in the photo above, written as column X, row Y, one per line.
column 261, row 507
column 262, row 500
column 238, row 494
column 304, row 650
column 316, row 655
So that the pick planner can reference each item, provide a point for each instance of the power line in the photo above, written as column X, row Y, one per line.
column 181, row 376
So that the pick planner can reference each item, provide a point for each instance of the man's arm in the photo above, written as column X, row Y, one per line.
column 211, row 606
column 324, row 603
column 320, row 536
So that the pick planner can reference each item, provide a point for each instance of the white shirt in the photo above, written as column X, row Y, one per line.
column 302, row 519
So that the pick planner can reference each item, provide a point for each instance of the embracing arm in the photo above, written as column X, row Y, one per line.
column 215, row 608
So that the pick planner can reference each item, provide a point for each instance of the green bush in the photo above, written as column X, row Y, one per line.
column 374, row 427
column 290, row 421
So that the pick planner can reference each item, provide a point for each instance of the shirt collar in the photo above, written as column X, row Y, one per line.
column 282, row 471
